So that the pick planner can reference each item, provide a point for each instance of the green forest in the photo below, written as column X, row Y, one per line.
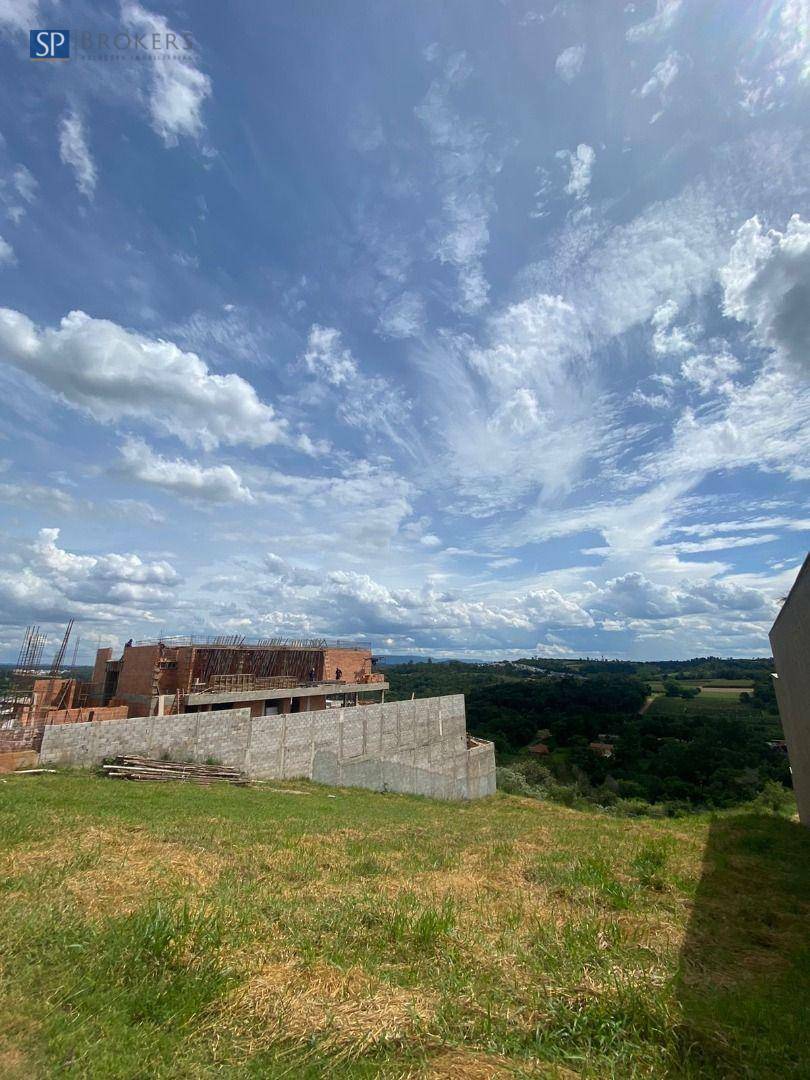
column 660, row 738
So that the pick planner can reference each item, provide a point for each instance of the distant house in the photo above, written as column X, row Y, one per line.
column 603, row 749
column 539, row 749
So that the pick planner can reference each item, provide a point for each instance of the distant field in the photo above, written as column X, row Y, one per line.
column 169, row 931
column 739, row 684
column 706, row 701
column 724, row 691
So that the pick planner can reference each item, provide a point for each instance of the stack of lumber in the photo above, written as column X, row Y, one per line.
column 141, row 768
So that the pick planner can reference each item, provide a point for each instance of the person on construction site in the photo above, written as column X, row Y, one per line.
column 312, row 674
column 338, row 675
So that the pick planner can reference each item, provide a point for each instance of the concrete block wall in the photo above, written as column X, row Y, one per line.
column 790, row 641
column 407, row 746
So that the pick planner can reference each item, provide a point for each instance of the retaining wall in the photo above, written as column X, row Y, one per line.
column 407, row 746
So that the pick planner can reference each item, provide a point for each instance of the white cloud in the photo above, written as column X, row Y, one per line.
column 177, row 91
column 7, row 257
column 330, row 362
column 666, row 13
column 711, row 371
column 51, row 583
column 636, row 596
column 767, row 284
column 327, row 358
column 403, row 317
column 29, row 494
column 19, row 14
column 359, row 603
column 668, row 340
column 662, row 77
column 779, row 60
column 74, row 151
column 765, row 424
column 114, row 374
column 569, row 63
column 542, row 411
column 465, row 169
column 25, row 183
column 187, row 479
column 581, row 163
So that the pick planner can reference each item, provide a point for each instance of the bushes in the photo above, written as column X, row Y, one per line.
column 513, row 782
column 672, row 689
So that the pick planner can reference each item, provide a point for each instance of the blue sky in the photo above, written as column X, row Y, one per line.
column 472, row 329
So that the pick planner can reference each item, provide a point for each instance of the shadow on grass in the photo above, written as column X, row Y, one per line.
column 744, row 973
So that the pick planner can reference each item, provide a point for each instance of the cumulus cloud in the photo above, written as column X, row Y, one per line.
column 114, row 374
column 177, row 91
column 359, row 603
column 74, row 151
column 580, row 163
column 52, row 583
column 636, row 596
column 767, row 285
column 187, row 479
column 569, row 63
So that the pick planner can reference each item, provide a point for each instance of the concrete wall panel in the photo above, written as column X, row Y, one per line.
column 411, row 746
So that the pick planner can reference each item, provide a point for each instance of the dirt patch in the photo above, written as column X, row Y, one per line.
column 11, row 760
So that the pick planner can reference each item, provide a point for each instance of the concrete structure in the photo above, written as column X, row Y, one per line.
column 790, row 642
column 419, row 747
column 180, row 675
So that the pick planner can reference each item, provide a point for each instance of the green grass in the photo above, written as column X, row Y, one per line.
column 714, row 701
column 173, row 931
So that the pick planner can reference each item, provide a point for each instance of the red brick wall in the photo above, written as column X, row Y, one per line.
column 137, row 667
column 99, row 669
column 87, row 714
column 185, row 666
column 354, row 663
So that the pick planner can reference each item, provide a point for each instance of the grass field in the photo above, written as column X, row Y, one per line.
column 706, row 701
column 172, row 931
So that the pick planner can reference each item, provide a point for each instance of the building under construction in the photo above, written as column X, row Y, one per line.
column 40, row 696
column 179, row 675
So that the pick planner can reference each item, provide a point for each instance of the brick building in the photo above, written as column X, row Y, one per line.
column 180, row 676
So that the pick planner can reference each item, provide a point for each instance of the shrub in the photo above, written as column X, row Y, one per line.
column 536, row 774
column 512, row 782
column 774, row 798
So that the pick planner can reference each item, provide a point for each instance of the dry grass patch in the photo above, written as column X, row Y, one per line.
column 115, row 869
column 346, row 1013
column 457, row 1064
